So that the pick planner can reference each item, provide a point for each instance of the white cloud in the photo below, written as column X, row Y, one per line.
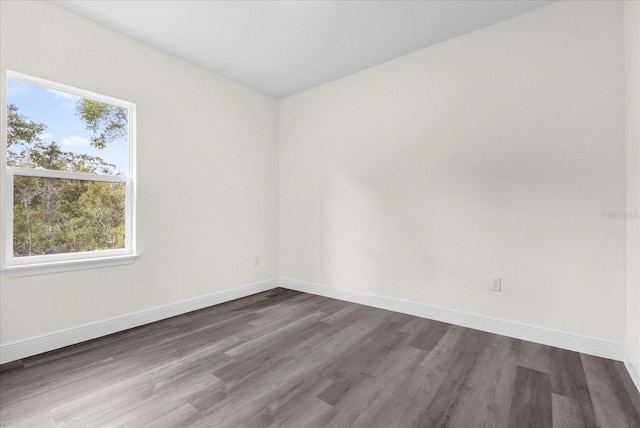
column 75, row 141
column 63, row 95
column 46, row 136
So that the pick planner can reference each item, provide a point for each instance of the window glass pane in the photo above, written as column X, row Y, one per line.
column 58, row 130
column 53, row 216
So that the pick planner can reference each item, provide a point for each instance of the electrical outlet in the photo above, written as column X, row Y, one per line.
column 256, row 262
column 495, row 284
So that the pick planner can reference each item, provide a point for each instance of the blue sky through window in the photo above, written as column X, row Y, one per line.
column 57, row 111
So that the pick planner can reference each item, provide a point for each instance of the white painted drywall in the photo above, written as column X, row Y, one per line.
column 207, row 174
column 492, row 154
column 632, row 120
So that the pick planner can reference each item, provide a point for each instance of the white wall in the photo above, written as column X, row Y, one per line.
column 491, row 154
column 494, row 153
column 632, row 115
column 207, row 174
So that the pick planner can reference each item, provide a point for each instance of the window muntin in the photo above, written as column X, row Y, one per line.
column 69, row 190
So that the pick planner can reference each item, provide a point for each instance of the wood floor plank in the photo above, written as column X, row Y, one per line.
column 292, row 404
column 288, row 359
column 276, row 335
column 534, row 356
column 361, row 359
column 39, row 420
column 308, row 413
column 140, row 398
column 183, row 416
column 407, row 409
column 490, row 385
column 624, row 381
column 329, row 306
column 367, row 397
column 240, row 399
column 568, row 379
column 569, row 413
column 464, row 356
column 568, row 375
column 428, row 336
column 531, row 405
column 614, row 404
column 442, row 355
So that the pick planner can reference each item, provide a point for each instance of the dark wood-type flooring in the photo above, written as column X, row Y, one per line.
column 284, row 358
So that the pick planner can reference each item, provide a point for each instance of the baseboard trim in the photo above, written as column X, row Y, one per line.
column 631, row 362
column 559, row 339
column 59, row 339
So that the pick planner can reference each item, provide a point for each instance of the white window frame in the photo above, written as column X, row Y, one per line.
column 32, row 265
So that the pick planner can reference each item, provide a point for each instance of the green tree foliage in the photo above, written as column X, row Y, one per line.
column 108, row 122
column 21, row 129
column 54, row 216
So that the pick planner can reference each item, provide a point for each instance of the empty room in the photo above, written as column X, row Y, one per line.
column 320, row 213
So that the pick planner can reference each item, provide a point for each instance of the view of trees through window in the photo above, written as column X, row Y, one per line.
column 52, row 130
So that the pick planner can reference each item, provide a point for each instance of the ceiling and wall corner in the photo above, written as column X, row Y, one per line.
column 285, row 47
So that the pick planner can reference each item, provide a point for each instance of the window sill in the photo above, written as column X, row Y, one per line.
column 67, row 265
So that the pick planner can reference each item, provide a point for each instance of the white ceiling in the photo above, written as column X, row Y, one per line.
column 284, row 47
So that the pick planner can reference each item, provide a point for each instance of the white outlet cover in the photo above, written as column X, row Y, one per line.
column 495, row 284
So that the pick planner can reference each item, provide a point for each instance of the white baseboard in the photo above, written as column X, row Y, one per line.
column 633, row 367
column 559, row 339
column 48, row 342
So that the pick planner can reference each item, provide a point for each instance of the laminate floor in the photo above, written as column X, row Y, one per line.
column 289, row 359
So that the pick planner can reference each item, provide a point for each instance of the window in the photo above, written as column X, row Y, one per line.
column 68, row 179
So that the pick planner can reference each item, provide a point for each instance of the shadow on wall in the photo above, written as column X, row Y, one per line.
column 423, row 237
